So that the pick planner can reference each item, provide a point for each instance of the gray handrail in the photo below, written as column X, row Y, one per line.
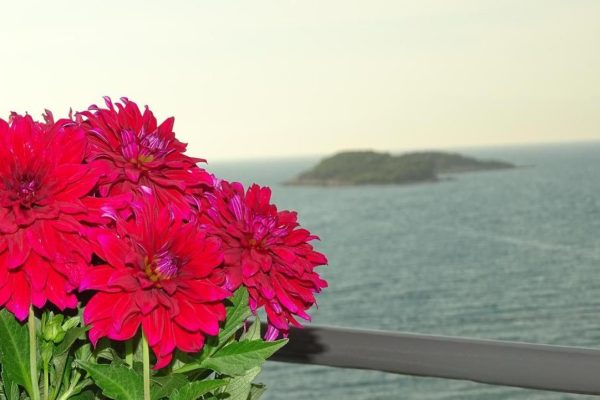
column 532, row 366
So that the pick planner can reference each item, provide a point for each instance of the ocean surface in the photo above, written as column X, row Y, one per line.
column 509, row 255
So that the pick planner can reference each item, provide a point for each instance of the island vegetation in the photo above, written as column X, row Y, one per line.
column 370, row 167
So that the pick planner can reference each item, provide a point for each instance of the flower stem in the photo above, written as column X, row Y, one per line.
column 35, row 389
column 146, row 356
column 46, row 382
column 72, row 387
column 129, row 353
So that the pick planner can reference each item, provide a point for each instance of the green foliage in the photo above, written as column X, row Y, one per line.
column 116, row 381
column 369, row 167
column 236, row 362
column 237, row 358
column 69, row 339
column 87, row 395
column 163, row 386
column 240, row 388
column 256, row 391
column 253, row 332
column 9, row 388
column 194, row 390
column 14, row 352
column 70, row 369
column 237, row 313
column 60, row 340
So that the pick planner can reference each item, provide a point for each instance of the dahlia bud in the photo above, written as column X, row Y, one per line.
column 52, row 330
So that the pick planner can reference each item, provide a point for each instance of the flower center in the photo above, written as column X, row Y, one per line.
column 25, row 191
column 256, row 244
column 163, row 266
column 154, row 146
column 261, row 231
column 143, row 148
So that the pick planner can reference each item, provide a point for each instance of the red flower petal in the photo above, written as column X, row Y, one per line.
column 187, row 341
column 18, row 250
column 123, row 279
column 20, row 299
column 203, row 291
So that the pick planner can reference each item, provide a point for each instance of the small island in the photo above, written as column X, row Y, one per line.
column 370, row 167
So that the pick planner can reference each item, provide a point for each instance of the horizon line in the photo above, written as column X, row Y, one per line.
column 406, row 149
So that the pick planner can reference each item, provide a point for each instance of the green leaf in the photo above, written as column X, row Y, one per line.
column 256, row 391
column 116, row 381
column 10, row 388
column 71, row 323
column 14, row 350
column 84, row 352
column 253, row 332
column 105, row 350
column 237, row 313
column 87, row 395
column 165, row 385
column 240, row 388
column 193, row 390
column 70, row 337
column 59, row 363
column 79, row 388
column 14, row 392
column 237, row 358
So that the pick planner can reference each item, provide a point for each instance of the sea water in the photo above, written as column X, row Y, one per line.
column 508, row 255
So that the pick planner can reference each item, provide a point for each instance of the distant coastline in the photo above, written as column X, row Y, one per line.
column 353, row 168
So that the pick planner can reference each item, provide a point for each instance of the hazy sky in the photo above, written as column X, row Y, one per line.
column 254, row 78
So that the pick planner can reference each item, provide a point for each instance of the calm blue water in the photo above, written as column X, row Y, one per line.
column 511, row 255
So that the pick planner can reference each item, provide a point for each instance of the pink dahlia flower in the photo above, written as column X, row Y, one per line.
column 267, row 252
column 157, row 276
column 42, row 184
column 143, row 156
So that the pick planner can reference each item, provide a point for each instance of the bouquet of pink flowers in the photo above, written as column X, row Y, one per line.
column 114, row 242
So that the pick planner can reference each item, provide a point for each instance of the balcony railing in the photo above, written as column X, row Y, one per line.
column 524, row 365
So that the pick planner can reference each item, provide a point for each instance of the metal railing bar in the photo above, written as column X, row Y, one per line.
column 524, row 365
